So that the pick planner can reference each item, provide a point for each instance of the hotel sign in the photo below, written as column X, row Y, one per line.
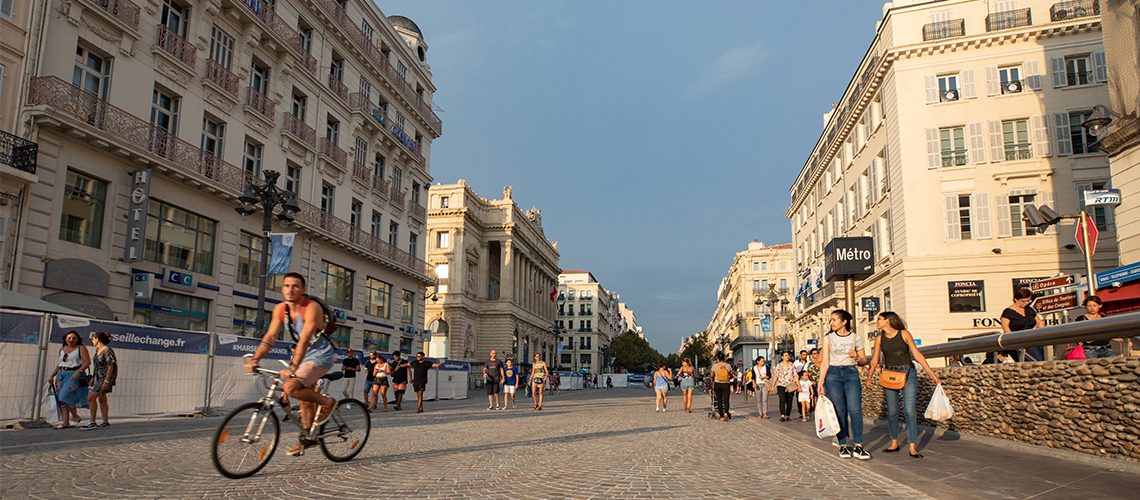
column 136, row 217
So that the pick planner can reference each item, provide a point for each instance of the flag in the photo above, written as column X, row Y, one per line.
column 281, row 252
column 554, row 293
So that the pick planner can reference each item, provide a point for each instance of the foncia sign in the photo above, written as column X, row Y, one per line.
column 849, row 258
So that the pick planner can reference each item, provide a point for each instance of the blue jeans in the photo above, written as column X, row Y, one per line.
column 910, row 395
column 1094, row 353
column 846, row 393
column 1036, row 353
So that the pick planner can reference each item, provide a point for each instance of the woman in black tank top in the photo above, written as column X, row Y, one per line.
column 896, row 346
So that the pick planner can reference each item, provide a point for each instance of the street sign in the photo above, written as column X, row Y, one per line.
column 1122, row 274
column 1102, row 197
column 1046, row 284
column 849, row 258
column 1053, row 303
column 1093, row 233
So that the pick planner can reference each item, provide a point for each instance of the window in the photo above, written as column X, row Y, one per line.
column 293, row 179
column 336, row 68
column 376, row 341
column 245, row 321
column 366, row 89
column 367, row 29
column 379, row 298
column 1015, row 139
column 360, row 155
column 92, row 72
column 221, row 47
column 1010, row 78
column 406, row 345
column 164, row 119
column 407, row 306
column 297, row 106
column 402, row 70
column 332, row 130
column 755, row 286
column 964, row 215
column 755, row 267
column 965, row 296
column 1083, row 141
column 306, row 34
column 584, row 359
column 251, row 159
column 397, row 178
column 586, row 342
column 337, row 283
column 413, row 242
column 444, row 201
column 1077, row 70
column 376, row 221
column 441, row 239
column 85, row 200
column 249, row 262
column 175, row 17
column 393, row 232
column 328, row 197
column 378, row 167
column 213, row 136
column 415, row 193
column 259, row 78
column 178, row 238
column 173, row 310
column 6, row 8
column 967, row 217
column 1017, row 204
column 763, row 266
column 953, row 144
column 356, row 214
column 948, row 88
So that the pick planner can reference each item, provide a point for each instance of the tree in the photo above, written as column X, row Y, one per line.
column 673, row 361
column 634, row 353
column 699, row 347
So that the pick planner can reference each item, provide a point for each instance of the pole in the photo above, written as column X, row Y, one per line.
column 849, row 298
column 266, row 242
column 1088, row 253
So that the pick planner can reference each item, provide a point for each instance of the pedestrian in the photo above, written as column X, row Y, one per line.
column 898, row 351
column 813, row 373
column 843, row 351
column 1020, row 316
column 1097, row 348
column 749, row 385
column 369, row 376
column 805, row 395
column 661, row 379
column 382, row 372
column 399, row 369
column 106, row 370
column 688, row 381
column 492, row 377
column 721, row 373
column 510, row 383
column 786, row 385
column 350, row 366
column 760, row 376
column 555, row 382
column 609, row 382
column 596, row 381
column 419, row 368
column 69, row 378
column 538, row 374
column 801, row 361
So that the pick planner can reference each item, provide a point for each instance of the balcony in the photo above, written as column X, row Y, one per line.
column 358, row 240
column 380, row 187
column 408, row 143
column 222, row 77
column 259, row 102
column 261, row 12
column 361, row 173
column 1009, row 19
column 944, row 29
column 953, row 158
column 296, row 127
column 333, row 153
column 175, row 45
column 1018, row 151
column 122, row 11
column 308, row 61
column 396, row 196
column 18, row 153
column 338, row 88
column 1062, row 11
column 418, row 212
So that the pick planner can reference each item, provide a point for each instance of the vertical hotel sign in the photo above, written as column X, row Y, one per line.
column 136, row 216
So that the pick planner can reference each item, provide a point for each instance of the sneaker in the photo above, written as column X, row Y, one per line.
column 299, row 448
column 104, row 425
column 89, row 426
column 324, row 412
column 844, row 452
column 859, row 453
column 489, row 408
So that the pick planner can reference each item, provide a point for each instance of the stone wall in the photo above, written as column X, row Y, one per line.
column 1090, row 406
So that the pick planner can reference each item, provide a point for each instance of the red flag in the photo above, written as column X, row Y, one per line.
column 554, row 293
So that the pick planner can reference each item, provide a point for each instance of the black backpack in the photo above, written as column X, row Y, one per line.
column 327, row 331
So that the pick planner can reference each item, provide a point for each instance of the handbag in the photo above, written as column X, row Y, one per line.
column 892, row 380
column 1076, row 352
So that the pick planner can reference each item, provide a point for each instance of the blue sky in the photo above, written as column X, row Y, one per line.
column 658, row 137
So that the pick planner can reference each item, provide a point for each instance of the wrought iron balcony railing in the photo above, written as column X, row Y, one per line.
column 335, row 155
column 260, row 103
column 949, row 95
column 18, row 153
column 396, row 196
column 953, row 158
column 297, row 128
column 361, row 172
column 418, row 211
column 338, row 88
column 1018, row 151
column 175, row 45
column 122, row 10
column 1079, row 78
column 944, row 29
column 1008, row 19
column 222, row 77
column 380, row 187
column 1061, row 11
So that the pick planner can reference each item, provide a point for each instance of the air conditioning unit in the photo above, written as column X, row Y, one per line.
column 950, row 95
column 1012, row 87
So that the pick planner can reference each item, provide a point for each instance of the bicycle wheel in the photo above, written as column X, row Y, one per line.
column 344, row 435
column 245, row 440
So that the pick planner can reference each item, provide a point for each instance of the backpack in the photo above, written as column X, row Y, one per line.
column 326, row 332
column 722, row 373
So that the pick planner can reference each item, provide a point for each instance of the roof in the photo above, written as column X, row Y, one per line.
column 408, row 24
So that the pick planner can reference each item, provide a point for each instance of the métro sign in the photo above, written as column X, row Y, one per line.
column 849, row 258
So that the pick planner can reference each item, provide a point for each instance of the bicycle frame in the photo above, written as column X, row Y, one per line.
column 269, row 401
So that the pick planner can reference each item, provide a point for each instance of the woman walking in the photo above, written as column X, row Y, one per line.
column 1021, row 316
column 106, row 369
column 896, row 346
column 538, row 374
column 760, row 376
column 843, row 350
column 69, row 378
column 786, row 385
column 380, row 372
column 661, row 379
column 688, row 378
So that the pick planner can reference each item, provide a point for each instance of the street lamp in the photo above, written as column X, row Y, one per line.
column 268, row 196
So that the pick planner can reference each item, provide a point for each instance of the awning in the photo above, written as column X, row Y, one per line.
column 1120, row 299
column 16, row 300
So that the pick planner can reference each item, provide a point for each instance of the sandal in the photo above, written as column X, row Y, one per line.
column 891, row 450
column 915, row 455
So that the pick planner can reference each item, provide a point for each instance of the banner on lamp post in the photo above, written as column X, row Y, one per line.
column 281, row 252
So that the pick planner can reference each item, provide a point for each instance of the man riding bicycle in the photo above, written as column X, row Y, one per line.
column 313, row 355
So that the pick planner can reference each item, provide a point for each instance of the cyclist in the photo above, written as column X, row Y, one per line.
column 313, row 355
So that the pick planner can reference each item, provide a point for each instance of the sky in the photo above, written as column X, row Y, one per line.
column 658, row 137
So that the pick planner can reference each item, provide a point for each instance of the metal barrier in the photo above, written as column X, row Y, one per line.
column 1124, row 325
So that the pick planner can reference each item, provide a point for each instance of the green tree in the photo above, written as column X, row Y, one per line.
column 673, row 361
column 699, row 347
column 634, row 353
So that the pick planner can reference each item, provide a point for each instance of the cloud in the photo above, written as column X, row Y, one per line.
column 735, row 64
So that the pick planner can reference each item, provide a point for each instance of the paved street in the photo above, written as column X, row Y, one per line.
column 584, row 444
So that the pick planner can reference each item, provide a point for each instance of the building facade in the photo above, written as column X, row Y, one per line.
column 753, row 302
column 153, row 118
column 588, row 318
column 961, row 114
column 497, row 274
column 629, row 320
column 17, row 153
column 1121, row 140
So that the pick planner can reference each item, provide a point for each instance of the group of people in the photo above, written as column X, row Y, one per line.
column 1021, row 316
column 380, row 374
column 74, row 387
column 505, row 379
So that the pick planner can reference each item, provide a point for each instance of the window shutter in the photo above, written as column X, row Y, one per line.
column 995, row 141
column 1004, row 230
column 993, row 81
column 968, row 90
column 872, row 183
column 1059, row 79
column 886, row 170
column 1100, row 67
column 953, row 225
column 931, row 89
column 1041, row 142
column 876, row 241
column 1046, row 198
column 1033, row 70
column 1061, row 131
column 980, row 215
column 933, row 154
column 977, row 144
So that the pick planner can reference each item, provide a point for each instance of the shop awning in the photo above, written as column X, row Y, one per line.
column 16, row 300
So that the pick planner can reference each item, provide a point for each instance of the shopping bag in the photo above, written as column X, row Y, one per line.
column 826, row 421
column 939, row 408
column 49, row 407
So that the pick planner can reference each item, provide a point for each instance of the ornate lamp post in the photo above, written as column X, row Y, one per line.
column 268, row 196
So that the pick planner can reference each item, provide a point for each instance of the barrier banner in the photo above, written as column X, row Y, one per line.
column 459, row 366
column 18, row 328
column 132, row 336
column 233, row 345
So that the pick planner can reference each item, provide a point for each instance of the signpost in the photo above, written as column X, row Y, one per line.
column 1045, row 284
column 1054, row 303
column 1086, row 239
column 849, row 259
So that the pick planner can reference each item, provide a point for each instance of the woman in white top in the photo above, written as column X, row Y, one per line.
column 380, row 373
column 69, row 378
column 844, row 350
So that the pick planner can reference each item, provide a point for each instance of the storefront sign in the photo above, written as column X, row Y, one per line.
column 76, row 275
column 142, row 285
column 1058, row 302
column 849, row 258
column 136, row 217
column 1102, row 197
column 1121, row 275
column 870, row 304
column 967, row 296
column 179, row 279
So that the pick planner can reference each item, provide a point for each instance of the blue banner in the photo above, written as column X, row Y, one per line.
column 16, row 328
column 232, row 345
column 636, row 378
column 131, row 336
column 281, row 256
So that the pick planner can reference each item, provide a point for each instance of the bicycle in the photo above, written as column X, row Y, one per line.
column 254, row 430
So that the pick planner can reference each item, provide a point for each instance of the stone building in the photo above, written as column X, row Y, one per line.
column 17, row 153
column 588, row 318
column 960, row 115
column 153, row 117
column 629, row 320
column 751, row 315
column 497, row 277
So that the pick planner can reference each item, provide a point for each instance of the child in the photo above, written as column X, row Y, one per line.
column 510, row 383
column 805, row 394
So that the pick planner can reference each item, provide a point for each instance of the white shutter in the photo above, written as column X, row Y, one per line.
column 1041, row 142
column 1003, row 230
column 1059, row 80
column 980, row 215
column 968, row 90
column 876, row 240
column 1046, row 198
column 1100, row 67
column 872, row 184
column 995, row 141
column 886, row 170
column 1061, row 132
column 953, row 225
column 933, row 154
column 1033, row 70
column 931, row 89
column 993, row 82
column 977, row 144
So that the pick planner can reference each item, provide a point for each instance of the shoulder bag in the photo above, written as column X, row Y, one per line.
column 892, row 380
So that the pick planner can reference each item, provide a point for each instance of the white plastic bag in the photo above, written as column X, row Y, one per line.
column 826, row 421
column 939, row 408
column 49, row 407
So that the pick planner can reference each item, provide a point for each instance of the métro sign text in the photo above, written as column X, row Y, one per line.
column 849, row 258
